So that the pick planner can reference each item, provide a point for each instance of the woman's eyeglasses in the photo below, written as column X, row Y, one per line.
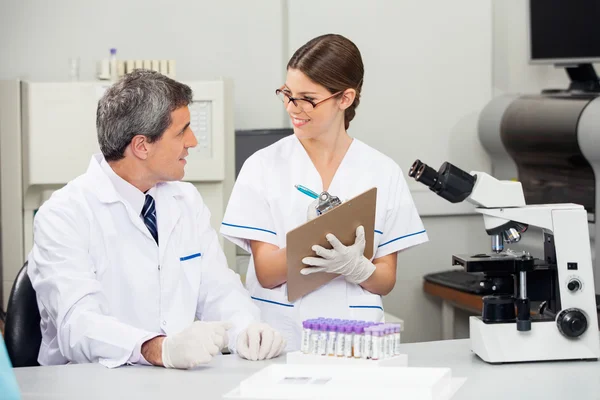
column 302, row 103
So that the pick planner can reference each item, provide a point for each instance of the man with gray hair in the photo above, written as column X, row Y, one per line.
column 124, row 258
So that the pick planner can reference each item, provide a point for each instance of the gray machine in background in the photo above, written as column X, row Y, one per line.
column 551, row 143
column 248, row 142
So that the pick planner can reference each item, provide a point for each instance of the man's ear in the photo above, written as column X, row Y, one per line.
column 347, row 98
column 140, row 146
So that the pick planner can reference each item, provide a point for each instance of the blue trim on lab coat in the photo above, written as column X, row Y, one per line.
column 379, row 307
column 272, row 302
column 248, row 227
column 402, row 237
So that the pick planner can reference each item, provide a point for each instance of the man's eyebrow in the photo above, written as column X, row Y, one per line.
column 184, row 128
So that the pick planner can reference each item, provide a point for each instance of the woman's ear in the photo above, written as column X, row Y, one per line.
column 347, row 98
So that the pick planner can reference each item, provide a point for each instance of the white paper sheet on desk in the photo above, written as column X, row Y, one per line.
column 294, row 382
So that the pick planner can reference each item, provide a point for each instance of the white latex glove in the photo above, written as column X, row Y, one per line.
column 260, row 342
column 311, row 212
column 348, row 261
column 195, row 345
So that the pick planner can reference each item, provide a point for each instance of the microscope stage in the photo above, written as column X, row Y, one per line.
column 494, row 262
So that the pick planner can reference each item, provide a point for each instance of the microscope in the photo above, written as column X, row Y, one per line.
column 565, row 326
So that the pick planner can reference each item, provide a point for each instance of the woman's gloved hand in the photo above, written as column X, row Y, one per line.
column 311, row 212
column 348, row 261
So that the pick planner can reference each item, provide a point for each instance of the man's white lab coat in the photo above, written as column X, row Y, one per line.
column 103, row 284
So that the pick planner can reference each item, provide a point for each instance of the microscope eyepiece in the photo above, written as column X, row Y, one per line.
column 414, row 168
column 449, row 182
column 426, row 175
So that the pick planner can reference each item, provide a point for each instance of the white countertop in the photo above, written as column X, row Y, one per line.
column 547, row 380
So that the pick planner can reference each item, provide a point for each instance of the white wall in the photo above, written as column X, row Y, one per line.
column 241, row 40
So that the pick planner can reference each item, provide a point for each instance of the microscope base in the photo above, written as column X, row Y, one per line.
column 502, row 343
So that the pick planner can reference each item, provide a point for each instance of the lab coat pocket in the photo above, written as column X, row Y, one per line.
column 366, row 307
column 191, row 264
column 278, row 312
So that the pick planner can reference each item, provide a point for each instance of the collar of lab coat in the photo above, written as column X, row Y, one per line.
column 167, row 210
column 106, row 192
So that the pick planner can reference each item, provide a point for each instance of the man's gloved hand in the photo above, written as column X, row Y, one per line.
column 344, row 260
column 260, row 342
column 195, row 345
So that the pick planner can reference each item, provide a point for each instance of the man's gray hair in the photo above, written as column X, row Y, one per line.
column 139, row 104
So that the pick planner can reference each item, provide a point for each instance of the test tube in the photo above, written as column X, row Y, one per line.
column 393, row 340
column 305, row 345
column 397, row 339
column 383, row 348
column 331, row 336
column 314, row 339
column 386, row 341
column 375, row 343
column 366, row 347
column 348, row 329
column 340, row 340
column 322, row 341
column 357, row 341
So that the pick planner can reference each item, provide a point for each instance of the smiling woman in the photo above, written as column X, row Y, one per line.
column 334, row 63
column 321, row 93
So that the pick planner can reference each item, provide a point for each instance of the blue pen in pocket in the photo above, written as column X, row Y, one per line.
column 306, row 191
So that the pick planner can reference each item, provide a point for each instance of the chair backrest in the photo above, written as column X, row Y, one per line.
column 22, row 330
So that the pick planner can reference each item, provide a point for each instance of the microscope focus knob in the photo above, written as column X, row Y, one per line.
column 571, row 322
column 574, row 285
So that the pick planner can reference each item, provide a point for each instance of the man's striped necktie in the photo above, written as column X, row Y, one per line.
column 149, row 215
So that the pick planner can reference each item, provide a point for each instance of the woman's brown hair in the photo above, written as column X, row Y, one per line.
column 333, row 62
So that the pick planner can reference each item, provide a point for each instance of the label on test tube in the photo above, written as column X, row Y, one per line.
column 357, row 341
column 322, row 345
column 314, row 340
column 397, row 340
column 331, row 337
column 376, row 344
column 340, row 341
column 348, row 340
column 386, row 342
column 366, row 347
column 305, row 346
column 382, row 348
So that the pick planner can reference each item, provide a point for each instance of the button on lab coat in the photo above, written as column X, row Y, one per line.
column 104, row 286
column 265, row 205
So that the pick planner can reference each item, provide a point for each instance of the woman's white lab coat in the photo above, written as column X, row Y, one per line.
column 104, row 286
column 265, row 205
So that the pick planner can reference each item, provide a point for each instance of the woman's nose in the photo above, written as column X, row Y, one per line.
column 291, row 106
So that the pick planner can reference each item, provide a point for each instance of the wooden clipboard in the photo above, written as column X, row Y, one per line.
column 341, row 221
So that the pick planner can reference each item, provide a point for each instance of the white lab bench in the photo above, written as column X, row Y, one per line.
column 548, row 380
